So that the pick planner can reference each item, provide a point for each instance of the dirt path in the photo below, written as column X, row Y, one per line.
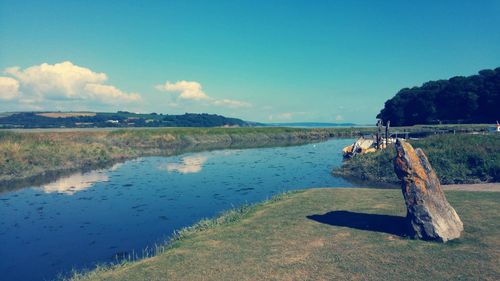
column 474, row 187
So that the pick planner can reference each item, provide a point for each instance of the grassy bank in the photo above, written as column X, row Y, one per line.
column 460, row 158
column 30, row 154
column 327, row 234
column 33, row 155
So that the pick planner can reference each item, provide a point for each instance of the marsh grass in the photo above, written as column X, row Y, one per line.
column 28, row 154
column 461, row 158
column 296, row 237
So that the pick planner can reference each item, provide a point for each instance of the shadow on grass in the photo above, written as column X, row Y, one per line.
column 394, row 225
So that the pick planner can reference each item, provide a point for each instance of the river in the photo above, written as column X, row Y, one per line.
column 101, row 216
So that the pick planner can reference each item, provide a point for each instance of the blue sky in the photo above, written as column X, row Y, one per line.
column 268, row 61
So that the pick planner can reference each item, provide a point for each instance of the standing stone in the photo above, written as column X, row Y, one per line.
column 429, row 215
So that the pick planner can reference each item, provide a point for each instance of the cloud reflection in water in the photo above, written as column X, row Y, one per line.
column 189, row 164
column 78, row 181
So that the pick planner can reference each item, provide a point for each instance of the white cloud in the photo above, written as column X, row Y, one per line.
column 65, row 82
column 109, row 94
column 189, row 90
column 339, row 118
column 9, row 88
column 231, row 103
column 193, row 91
column 60, row 79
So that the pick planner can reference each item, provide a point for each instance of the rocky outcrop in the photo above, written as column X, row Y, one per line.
column 429, row 215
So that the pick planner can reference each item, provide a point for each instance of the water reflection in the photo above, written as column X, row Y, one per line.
column 122, row 210
column 74, row 183
column 49, row 176
column 189, row 164
column 77, row 182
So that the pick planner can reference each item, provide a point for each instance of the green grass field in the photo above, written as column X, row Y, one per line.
column 326, row 234
column 461, row 158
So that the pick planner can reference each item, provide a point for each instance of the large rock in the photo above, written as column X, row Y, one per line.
column 430, row 216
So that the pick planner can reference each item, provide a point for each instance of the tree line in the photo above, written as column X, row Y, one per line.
column 120, row 119
column 458, row 100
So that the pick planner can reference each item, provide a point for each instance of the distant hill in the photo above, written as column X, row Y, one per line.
column 310, row 124
column 118, row 119
column 472, row 99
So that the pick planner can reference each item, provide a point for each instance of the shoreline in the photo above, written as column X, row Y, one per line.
column 26, row 154
column 49, row 175
column 33, row 155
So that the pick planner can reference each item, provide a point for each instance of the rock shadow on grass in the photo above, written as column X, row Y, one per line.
column 394, row 225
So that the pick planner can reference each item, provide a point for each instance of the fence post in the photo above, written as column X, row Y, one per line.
column 387, row 133
column 379, row 125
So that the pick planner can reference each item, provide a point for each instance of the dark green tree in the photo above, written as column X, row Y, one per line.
column 473, row 99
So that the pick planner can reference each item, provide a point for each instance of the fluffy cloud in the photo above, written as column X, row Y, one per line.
column 9, row 88
column 189, row 90
column 109, row 94
column 192, row 90
column 58, row 80
column 65, row 81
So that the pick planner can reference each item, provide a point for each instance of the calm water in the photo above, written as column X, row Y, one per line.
column 84, row 219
